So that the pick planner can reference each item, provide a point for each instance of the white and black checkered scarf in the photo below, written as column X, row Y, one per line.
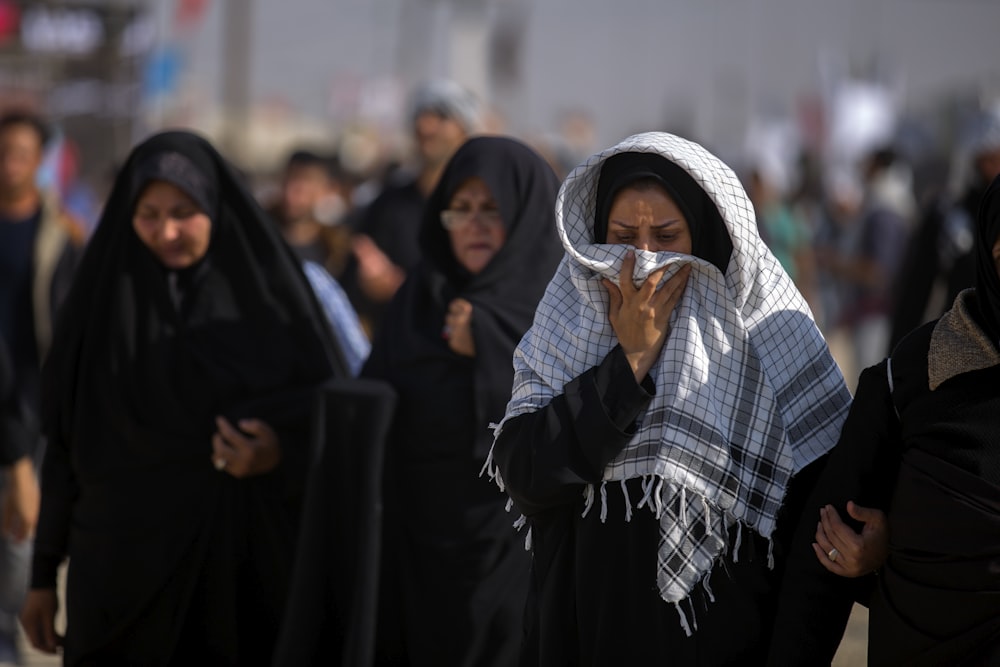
column 747, row 393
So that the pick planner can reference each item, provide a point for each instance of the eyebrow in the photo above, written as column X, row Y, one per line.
column 655, row 225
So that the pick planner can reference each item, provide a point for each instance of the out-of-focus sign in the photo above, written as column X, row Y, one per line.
column 70, row 30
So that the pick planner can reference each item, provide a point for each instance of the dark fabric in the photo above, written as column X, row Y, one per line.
column 393, row 223
column 987, row 279
column 455, row 573
column 951, row 434
column 814, row 605
column 17, row 322
column 15, row 440
column 172, row 167
column 169, row 555
column 946, row 561
column 332, row 605
column 709, row 238
column 593, row 598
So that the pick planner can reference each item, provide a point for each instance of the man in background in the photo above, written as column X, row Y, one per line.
column 444, row 115
column 310, row 209
column 39, row 246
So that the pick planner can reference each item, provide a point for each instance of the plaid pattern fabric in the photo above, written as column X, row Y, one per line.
column 747, row 392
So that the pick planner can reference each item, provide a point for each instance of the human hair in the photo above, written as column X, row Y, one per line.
column 308, row 159
column 32, row 120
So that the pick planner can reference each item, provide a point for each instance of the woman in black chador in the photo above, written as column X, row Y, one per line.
column 671, row 403
column 921, row 444
column 455, row 573
column 174, row 401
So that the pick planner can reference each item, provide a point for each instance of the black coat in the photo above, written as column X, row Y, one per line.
column 594, row 599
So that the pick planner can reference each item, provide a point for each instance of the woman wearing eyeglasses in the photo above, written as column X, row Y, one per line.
column 455, row 574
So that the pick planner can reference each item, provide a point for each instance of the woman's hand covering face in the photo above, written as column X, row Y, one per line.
column 640, row 316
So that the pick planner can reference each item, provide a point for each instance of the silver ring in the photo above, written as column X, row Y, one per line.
column 832, row 554
column 220, row 463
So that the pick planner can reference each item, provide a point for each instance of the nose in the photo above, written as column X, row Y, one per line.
column 479, row 219
column 170, row 230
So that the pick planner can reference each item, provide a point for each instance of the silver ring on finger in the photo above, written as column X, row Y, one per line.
column 832, row 554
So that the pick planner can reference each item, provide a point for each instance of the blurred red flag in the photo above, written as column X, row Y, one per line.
column 189, row 13
column 9, row 19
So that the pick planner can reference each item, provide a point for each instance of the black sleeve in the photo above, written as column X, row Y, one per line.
column 814, row 605
column 545, row 457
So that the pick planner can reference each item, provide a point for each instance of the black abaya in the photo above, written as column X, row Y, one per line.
column 170, row 558
column 455, row 572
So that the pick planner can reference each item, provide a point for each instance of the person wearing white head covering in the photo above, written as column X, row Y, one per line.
column 659, row 438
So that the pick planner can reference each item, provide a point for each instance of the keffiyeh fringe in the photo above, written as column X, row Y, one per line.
column 652, row 500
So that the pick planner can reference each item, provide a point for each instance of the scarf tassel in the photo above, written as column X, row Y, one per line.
column 604, row 502
column 648, row 482
column 683, row 617
column 588, row 500
column 628, row 503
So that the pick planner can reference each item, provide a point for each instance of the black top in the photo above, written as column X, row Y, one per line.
column 159, row 541
column 17, row 322
column 393, row 223
column 455, row 571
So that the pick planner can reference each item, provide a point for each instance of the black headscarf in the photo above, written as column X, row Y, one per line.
column 131, row 388
column 987, row 281
column 709, row 238
column 251, row 324
column 504, row 294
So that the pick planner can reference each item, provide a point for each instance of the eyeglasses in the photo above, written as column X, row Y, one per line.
column 453, row 220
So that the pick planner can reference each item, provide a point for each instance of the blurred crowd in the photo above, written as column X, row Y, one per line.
column 877, row 243
column 850, row 232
